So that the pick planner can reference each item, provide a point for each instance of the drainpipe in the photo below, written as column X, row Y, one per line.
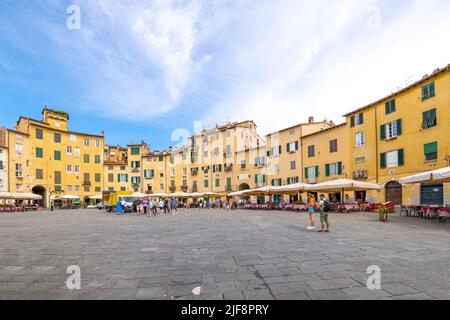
column 376, row 145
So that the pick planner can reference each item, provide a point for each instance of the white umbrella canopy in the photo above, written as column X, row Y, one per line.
column 179, row 195
column 159, row 195
column 196, row 195
column 258, row 192
column 237, row 193
column 140, row 195
column 70, row 197
column 292, row 188
column 97, row 197
column 5, row 195
column 347, row 184
column 26, row 196
column 211, row 194
column 439, row 175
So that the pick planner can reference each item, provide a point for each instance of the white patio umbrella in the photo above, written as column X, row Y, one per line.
column 97, row 197
column 5, row 195
column 26, row 196
column 140, row 195
column 211, row 194
column 159, row 195
column 237, row 193
column 341, row 184
column 258, row 191
column 179, row 195
column 70, row 197
column 196, row 195
column 289, row 189
column 439, row 175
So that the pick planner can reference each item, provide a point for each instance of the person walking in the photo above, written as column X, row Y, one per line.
column 175, row 205
column 145, row 205
column 325, row 208
column 151, row 205
column 161, row 205
column 311, row 209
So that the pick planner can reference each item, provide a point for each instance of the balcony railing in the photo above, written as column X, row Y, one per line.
column 360, row 175
column 229, row 188
column 135, row 169
column 173, row 189
column 87, row 183
column 184, row 188
column 228, row 168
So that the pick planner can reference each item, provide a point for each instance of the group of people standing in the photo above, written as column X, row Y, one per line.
column 323, row 206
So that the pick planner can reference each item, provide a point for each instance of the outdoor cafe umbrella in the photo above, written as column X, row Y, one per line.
column 179, row 195
column 237, row 193
column 97, row 197
column 196, row 195
column 139, row 195
column 70, row 197
column 159, row 195
column 289, row 189
column 26, row 196
column 439, row 175
column 5, row 195
column 258, row 192
column 343, row 184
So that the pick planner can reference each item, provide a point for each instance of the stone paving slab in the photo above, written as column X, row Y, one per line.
column 241, row 255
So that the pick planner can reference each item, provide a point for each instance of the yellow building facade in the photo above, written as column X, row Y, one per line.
column 4, row 165
column 51, row 160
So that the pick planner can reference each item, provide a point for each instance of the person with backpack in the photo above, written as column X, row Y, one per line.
column 325, row 208
column 312, row 204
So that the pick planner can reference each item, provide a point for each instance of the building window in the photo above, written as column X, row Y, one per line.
column 276, row 182
column 2, row 166
column 57, row 155
column 161, row 186
column 69, row 150
column 86, row 142
column 356, row 120
column 97, row 158
column 111, row 178
column 333, row 146
column 292, row 132
column 39, row 153
column 97, row 143
column 311, row 173
column 360, row 160
column 69, row 168
column 122, row 177
column 206, row 183
column 57, row 138
column 390, row 107
column 98, row 177
column 392, row 159
column 431, row 151
column 69, row 188
column 57, row 177
column 260, row 179
column 98, row 189
column 73, row 137
column 39, row 174
column 429, row 119
column 136, row 151
column 391, row 130
column 292, row 165
column 77, row 152
column 217, row 182
column 19, row 149
column 77, row 169
column 86, row 158
column 311, row 151
column 428, row 91
column 333, row 169
column 19, row 187
column 292, row 147
column 360, row 139
column 39, row 134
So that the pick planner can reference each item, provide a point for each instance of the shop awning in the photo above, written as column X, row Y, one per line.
column 439, row 175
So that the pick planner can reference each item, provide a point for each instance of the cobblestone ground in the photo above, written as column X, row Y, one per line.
column 244, row 255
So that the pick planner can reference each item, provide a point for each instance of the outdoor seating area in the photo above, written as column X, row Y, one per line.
column 18, row 202
column 429, row 212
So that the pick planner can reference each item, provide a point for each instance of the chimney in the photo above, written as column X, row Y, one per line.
column 103, row 133
column 332, row 123
column 311, row 120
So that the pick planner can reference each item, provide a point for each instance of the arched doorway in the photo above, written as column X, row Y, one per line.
column 244, row 186
column 394, row 192
column 40, row 190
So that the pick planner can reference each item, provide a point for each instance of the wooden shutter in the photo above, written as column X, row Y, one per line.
column 317, row 171
column 327, row 169
column 383, row 132
column 279, row 150
column 118, row 178
column 306, row 173
column 399, row 127
column 296, row 145
column 339, row 168
column 401, row 157
column 288, row 148
column 352, row 121
column 383, row 160
column 361, row 118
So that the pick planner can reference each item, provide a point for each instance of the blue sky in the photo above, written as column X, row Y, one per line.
column 146, row 69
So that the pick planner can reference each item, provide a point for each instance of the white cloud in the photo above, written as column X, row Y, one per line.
column 325, row 59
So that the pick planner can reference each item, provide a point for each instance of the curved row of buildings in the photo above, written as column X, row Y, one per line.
column 396, row 136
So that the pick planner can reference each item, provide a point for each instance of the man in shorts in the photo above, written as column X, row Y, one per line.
column 325, row 208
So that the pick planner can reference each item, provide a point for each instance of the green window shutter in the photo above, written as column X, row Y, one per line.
column 256, row 178
column 383, row 132
column 327, row 170
column 145, row 174
column 297, row 180
column 264, row 178
column 306, row 173
column 273, row 182
column 399, row 127
column 39, row 152
column 126, row 178
column 383, row 160
column 288, row 181
column 401, row 157
column 352, row 121
column 152, row 173
column 339, row 168
column 118, row 178
column 317, row 171
column 431, row 148
column 287, row 147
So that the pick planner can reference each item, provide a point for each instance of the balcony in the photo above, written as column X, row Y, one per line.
column 194, row 189
column 360, row 175
column 184, row 188
column 172, row 189
column 194, row 171
column 228, row 168
column 229, row 188
column 135, row 169
column 86, row 183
